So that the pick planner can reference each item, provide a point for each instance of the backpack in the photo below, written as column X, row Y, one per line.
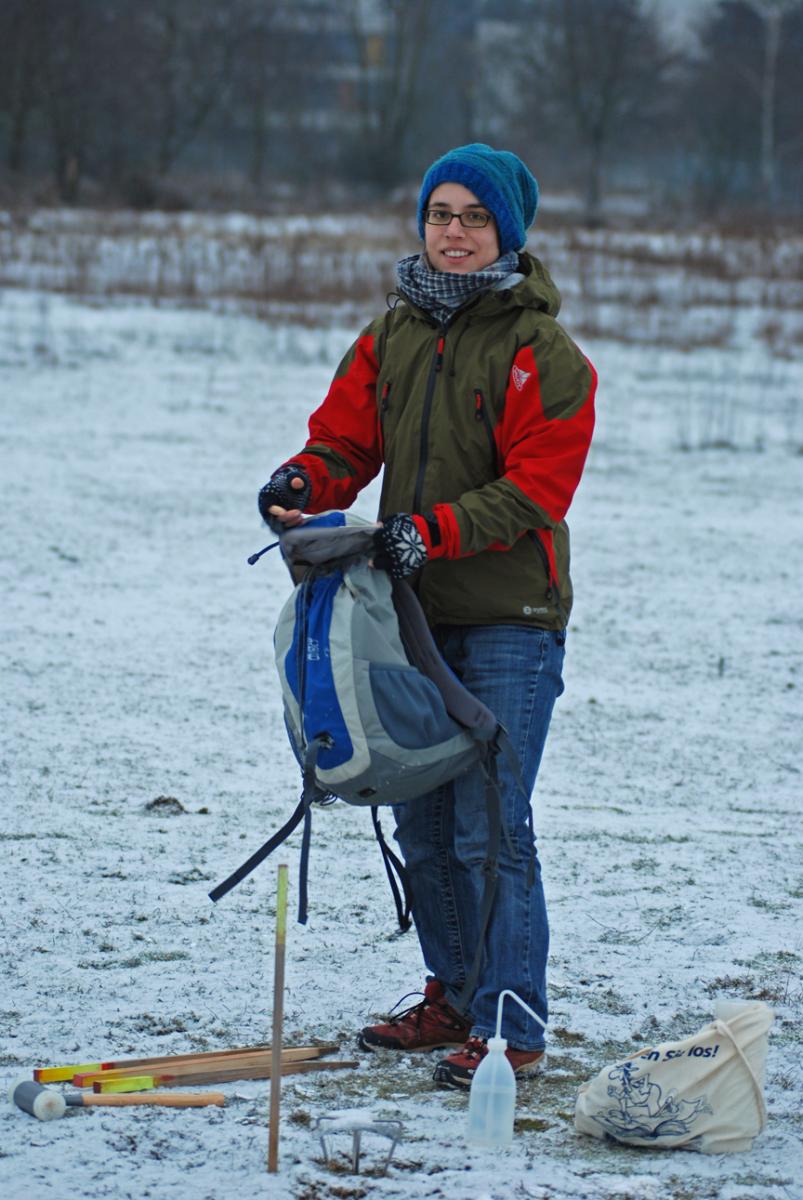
column 373, row 713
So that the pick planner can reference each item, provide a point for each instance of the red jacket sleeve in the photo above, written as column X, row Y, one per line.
column 343, row 452
column 546, row 429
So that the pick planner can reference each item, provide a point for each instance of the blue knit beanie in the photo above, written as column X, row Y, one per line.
column 496, row 177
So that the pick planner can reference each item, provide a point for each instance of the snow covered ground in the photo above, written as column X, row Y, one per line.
column 138, row 665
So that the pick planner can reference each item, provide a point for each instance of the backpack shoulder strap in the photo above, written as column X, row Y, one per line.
column 303, row 812
column 395, row 867
column 260, row 855
column 419, row 643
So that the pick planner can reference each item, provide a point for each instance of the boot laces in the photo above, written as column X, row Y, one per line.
column 475, row 1047
column 396, row 1018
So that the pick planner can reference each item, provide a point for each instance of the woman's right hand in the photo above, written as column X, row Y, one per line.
column 284, row 497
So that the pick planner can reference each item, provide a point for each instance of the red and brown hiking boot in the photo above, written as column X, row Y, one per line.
column 430, row 1023
column 457, row 1070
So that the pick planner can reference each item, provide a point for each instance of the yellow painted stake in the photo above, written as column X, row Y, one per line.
column 132, row 1083
column 278, row 1017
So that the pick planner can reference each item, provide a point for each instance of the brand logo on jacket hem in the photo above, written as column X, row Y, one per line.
column 529, row 611
column 519, row 377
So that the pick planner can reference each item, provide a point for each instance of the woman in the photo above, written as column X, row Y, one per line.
column 480, row 407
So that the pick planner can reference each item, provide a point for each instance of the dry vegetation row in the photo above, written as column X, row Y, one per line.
column 679, row 288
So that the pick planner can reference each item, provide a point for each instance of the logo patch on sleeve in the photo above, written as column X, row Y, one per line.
column 519, row 377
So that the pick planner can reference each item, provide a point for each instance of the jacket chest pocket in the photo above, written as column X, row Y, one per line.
column 483, row 420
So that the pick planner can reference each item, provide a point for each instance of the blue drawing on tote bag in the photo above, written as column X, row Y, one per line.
column 643, row 1109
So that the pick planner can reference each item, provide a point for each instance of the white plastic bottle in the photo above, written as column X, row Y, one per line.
column 492, row 1100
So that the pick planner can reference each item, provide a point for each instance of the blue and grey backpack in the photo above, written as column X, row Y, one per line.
column 374, row 714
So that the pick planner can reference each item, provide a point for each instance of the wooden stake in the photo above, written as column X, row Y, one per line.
column 175, row 1068
column 278, row 1018
column 206, row 1076
column 64, row 1074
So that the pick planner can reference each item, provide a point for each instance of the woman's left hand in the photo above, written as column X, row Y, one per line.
column 399, row 548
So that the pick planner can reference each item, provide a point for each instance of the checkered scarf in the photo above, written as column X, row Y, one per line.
column 441, row 292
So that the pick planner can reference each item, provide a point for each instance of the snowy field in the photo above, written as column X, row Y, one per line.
column 138, row 665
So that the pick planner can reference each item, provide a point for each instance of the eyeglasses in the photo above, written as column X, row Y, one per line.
column 471, row 219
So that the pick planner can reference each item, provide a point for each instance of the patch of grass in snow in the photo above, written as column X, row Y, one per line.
column 29, row 837
column 752, row 1180
column 371, row 1165
column 682, row 1189
column 729, row 983
column 12, row 1060
column 609, row 1001
column 531, row 1125
column 568, row 1037
column 770, row 906
column 321, row 1190
column 606, row 808
column 106, row 964
column 191, row 876
column 161, row 1026
column 773, row 988
column 168, row 806
column 644, row 863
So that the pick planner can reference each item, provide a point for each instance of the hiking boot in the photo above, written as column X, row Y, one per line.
column 457, row 1070
column 430, row 1023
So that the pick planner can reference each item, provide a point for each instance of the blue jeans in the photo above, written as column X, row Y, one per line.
column 444, row 836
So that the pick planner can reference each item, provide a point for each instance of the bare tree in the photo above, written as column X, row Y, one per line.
column 18, row 77
column 390, row 38
column 772, row 12
column 256, row 83
column 600, row 66
column 67, row 55
column 281, row 87
column 742, row 104
column 190, row 47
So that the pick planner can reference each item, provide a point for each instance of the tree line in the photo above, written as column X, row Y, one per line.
column 189, row 101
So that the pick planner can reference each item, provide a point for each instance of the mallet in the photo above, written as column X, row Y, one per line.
column 47, row 1105
column 39, row 1101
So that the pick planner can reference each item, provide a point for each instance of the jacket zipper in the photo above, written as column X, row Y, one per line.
column 481, row 414
column 437, row 363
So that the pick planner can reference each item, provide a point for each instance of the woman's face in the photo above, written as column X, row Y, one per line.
column 451, row 247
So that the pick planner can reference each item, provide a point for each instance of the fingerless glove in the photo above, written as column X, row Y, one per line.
column 278, row 491
column 399, row 548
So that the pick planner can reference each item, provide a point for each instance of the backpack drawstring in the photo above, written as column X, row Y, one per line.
column 252, row 558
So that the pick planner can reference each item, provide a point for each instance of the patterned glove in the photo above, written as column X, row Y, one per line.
column 399, row 548
column 278, row 491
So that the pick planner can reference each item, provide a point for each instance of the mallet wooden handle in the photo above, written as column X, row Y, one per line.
column 167, row 1099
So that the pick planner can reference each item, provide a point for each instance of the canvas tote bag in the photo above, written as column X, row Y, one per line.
column 704, row 1093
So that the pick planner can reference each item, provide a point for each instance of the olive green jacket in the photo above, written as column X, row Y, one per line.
column 483, row 425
